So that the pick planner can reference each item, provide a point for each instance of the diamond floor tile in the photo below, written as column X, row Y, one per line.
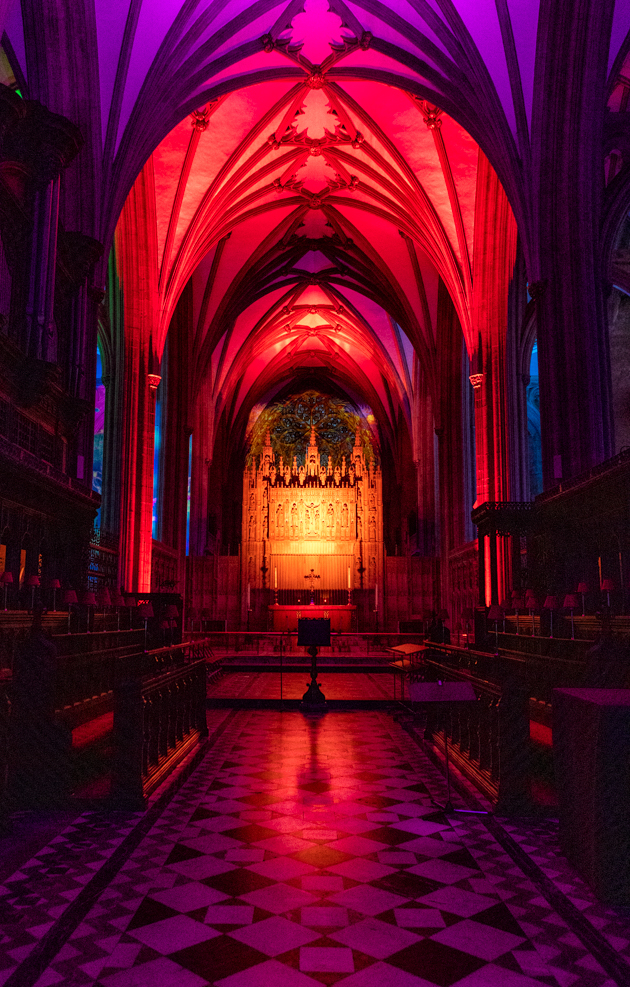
column 301, row 852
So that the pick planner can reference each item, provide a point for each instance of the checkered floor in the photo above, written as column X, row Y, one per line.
column 300, row 851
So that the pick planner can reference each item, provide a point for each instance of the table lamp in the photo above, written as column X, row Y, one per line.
column 6, row 578
column 33, row 582
column 570, row 603
column 550, row 604
column 54, row 585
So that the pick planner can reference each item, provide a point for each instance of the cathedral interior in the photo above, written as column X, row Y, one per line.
column 314, row 310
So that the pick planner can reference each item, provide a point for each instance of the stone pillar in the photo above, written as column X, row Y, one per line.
column 564, row 262
column 202, row 448
column 136, row 251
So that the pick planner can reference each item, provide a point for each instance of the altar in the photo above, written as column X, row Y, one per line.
column 285, row 618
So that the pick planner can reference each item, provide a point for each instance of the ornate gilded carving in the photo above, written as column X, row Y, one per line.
column 313, row 513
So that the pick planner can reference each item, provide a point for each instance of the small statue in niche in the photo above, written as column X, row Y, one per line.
column 294, row 516
column 287, row 477
column 337, row 476
column 330, row 514
column 251, row 528
column 351, row 475
column 279, row 516
column 322, row 475
column 302, row 475
column 372, row 501
column 344, row 516
column 272, row 475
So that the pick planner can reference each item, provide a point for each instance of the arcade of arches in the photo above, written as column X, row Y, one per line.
column 417, row 212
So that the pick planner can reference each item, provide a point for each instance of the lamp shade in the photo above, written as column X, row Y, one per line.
column 495, row 613
column 117, row 599
column 607, row 585
column 551, row 603
column 531, row 602
column 6, row 577
column 583, row 588
column 570, row 601
column 88, row 599
column 54, row 584
column 506, row 604
column 145, row 610
column 70, row 596
column 32, row 581
column 103, row 598
column 171, row 612
column 518, row 602
column 165, row 624
column 129, row 601
column 468, row 613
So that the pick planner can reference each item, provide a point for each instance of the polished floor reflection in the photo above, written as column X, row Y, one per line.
column 300, row 851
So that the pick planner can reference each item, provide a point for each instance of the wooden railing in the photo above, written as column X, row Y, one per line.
column 157, row 721
column 540, row 674
column 82, row 687
column 489, row 739
column 87, row 677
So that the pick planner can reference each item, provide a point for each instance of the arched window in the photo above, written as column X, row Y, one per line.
column 99, row 431
column 533, row 426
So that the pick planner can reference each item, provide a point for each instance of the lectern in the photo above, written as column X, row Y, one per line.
column 314, row 634
column 444, row 693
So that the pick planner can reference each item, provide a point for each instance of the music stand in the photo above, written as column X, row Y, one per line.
column 444, row 692
column 407, row 653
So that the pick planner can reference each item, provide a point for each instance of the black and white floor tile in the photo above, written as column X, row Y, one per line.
column 304, row 851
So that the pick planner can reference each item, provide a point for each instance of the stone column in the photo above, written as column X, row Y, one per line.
column 564, row 262
column 136, row 251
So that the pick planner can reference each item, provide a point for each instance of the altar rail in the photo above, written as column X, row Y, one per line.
column 274, row 646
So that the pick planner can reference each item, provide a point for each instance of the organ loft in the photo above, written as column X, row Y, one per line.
column 312, row 516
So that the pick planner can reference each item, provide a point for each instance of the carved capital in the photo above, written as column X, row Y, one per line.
column 78, row 253
column 476, row 380
column 44, row 142
column 154, row 382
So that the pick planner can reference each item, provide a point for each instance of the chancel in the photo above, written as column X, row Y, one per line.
column 314, row 310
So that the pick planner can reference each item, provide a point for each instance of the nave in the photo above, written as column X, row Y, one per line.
column 298, row 851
